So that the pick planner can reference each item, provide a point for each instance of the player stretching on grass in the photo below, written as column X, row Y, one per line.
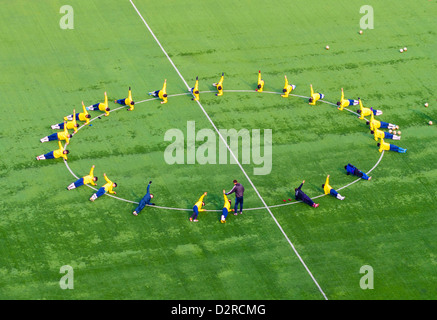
column 107, row 187
column 195, row 90
column 375, row 124
column 385, row 135
column 69, row 124
column 219, row 85
column 226, row 208
column 64, row 135
column 88, row 179
column 198, row 208
column 287, row 88
column 345, row 102
column 364, row 112
column 82, row 116
column 301, row 196
column 101, row 106
column 329, row 190
column 260, row 85
column 144, row 201
column 161, row 94
column 350, row 169
column 315, row 97
column 127, row 101
column 61, row 152
column 389, row 147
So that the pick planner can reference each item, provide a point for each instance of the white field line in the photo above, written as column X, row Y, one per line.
column 233, row 155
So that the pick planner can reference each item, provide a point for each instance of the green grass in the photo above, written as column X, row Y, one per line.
column 387, row 223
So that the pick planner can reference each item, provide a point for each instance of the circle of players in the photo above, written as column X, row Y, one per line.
column 71, row 123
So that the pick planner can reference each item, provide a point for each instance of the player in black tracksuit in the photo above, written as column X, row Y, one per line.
column 300, row 195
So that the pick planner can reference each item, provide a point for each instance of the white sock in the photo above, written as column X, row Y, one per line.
column 41, row 157
column 94, row 197
column 55, row 126
column 340, row 197
column 45, row 139
column 378, row 112
column 71, row 186
column 396, row 137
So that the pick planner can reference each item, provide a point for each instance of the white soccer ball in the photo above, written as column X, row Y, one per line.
column 430, row 123
column 390, row 131
column 327, row 47
column 394, row 132
column 405, row 49
column 361, row 31
column 401, row 50
column 426, row 104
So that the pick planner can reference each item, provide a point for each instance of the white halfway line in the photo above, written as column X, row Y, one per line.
column 232, row 154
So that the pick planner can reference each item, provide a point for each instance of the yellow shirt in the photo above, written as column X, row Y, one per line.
column 315, row 96
column 327, row 188
column 378, row 134
column 384, row 146
column 199, row 203
column 260, row 83
column 196, row 90
column 128, row 100
column 89, row 178
column 82, row 116
column 374, row 124
column 364, row 111
column 108, row 185
column 343, row 101
column 163, row 92
column 64, row 135
column 60, row 152
column 72, row 124
column 227, row 205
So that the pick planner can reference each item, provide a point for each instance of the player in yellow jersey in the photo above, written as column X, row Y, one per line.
column 376, row 124
column 260, row 85
column 83, row 116
column 219, row 85
column 195, row 90
column 101, row 106
column 63, row 135
column 384, row 135
column 198, row 207
column 384, row 146
column 127, row 101
column 226, row 208
column 161, row 94
column 69, row 124
column 329, row 190
column 287, row 88
column 364, row 112
column 315, row 97
column 345, row 102
column 88, row 179
column 107, row 187
column 60, row 153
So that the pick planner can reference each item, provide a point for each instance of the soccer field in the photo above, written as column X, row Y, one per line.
column 278, row 249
